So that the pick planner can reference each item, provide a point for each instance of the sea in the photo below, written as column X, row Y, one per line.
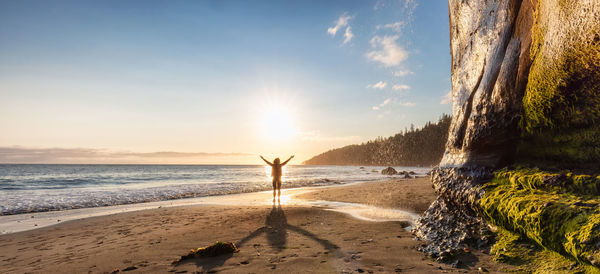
column 40, row 188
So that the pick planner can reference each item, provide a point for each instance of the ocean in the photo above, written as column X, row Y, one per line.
column 39, row 188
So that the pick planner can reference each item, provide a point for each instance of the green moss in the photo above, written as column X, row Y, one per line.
column 561, row 109
column 569, row 148
column 557, row 181
column 562, row 88
column 528, row 257
column 526, row 202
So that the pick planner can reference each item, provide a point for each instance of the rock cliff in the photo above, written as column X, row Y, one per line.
column 526, row 92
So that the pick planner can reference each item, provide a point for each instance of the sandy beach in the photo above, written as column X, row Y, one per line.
column 299, row 236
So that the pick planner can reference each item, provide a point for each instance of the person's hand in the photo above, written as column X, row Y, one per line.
column 292, row 157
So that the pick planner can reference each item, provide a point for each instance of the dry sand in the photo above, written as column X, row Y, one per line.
column 289, row 238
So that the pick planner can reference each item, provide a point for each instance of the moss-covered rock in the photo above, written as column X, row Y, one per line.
column 526, row 202
column 561, row 103
column 526, row 90
column 528, row 257
column 558, row 181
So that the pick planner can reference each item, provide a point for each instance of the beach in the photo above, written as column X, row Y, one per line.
column 368, row 231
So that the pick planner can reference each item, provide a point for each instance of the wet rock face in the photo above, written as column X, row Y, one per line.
column 525, row 82
column 450, row 224
column 490, row 59
column 490, row 42
column 524, row 69
column 561, row 121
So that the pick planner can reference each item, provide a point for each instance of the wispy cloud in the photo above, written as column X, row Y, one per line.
column 407, row 104
column 403, row 72
column 400, row 87
column 378, row 85
column 348, row 35
column 396, row 26
column 386, row 51
column 385, row 102
column 379, row 4
column 409, row 8
column 342, row 22
column 89, row 155
column 446, row 98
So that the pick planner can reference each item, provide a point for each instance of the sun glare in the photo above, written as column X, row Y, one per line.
column 277, row 123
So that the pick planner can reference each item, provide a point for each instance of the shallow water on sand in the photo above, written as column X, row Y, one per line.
column 29, row 221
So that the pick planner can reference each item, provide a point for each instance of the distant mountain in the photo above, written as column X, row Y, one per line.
column 415, row 147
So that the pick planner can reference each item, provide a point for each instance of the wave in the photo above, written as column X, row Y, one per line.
column 29, row 201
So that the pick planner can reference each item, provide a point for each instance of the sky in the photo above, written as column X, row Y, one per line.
column 215, row 82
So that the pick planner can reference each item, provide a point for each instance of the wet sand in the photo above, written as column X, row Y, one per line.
column 302, row 235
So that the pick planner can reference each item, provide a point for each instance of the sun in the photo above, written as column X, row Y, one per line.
column 277, row 123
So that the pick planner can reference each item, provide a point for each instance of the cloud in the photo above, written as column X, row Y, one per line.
column 385, row 102
column 378, row 85
column 90, row 155
column 348, row 35
column 403, row 72
column 342, row 22
column 379, row 4
column 409, row 8
column 407, row 104
column 400, row 87
column 386, row 51
column 396, row 26
column 383, row 114
column 410, row 5
column 446, row 98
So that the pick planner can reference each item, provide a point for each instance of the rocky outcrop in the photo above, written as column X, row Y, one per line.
column 561, row 112
column 525, row 89
column 490, row 45
column 450, row 222
column 389, row 171
column 523, row 68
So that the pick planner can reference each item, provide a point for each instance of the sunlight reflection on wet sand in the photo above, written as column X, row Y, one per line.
column 23, row 222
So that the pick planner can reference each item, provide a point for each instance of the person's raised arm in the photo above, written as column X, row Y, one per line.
column 268, row 163
column 287, row 160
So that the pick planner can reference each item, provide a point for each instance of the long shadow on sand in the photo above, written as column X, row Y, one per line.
column 276, row 228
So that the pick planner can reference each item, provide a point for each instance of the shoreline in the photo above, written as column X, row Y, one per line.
column 30, row 221
column 31, row 189
column 306, row 233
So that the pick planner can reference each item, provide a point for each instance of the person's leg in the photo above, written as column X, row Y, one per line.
column 274, row 188
column 279, row 187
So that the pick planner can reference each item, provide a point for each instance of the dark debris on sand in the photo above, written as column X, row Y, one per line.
column 217, row 249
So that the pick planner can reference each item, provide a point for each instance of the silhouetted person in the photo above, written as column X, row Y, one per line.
column 276, row 173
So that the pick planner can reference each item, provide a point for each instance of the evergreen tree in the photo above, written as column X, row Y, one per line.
column 415, row 147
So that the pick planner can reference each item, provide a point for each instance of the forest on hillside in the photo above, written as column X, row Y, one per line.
column 413, row 147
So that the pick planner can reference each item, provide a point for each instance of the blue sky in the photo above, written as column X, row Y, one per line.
column 201, row 76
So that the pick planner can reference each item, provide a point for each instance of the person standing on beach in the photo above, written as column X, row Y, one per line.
column 276, row 174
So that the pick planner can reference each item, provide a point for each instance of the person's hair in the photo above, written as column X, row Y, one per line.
column 276, row 161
